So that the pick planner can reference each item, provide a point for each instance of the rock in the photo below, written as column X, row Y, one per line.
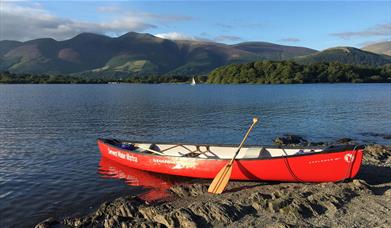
column 360, row 185
column 371, row 134
column 47, row 223
column 344, row 141
column 287, row 140
column 189, row 190
column 317, row 144
column 377, row 154
column 194, row 207
column 386, row 136
column 279, row 225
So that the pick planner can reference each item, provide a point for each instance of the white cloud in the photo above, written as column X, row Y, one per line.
column 377, row 30
column 290, row 39
column 25, row 22
column 225, row 38
column 175, row 36
column 205, row 37
column 160, row 17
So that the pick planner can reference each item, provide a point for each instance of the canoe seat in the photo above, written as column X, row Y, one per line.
column 252, row 152
column 261, row 152
column 265, row 153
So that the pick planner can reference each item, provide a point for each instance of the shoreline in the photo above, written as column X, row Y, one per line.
column 349, row 203
column 188, row 83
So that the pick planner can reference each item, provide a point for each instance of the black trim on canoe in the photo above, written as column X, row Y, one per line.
column 325, row 150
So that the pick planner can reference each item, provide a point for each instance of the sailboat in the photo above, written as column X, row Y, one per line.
column 193, row 82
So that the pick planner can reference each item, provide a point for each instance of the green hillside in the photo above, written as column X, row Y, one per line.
column 346, row 55
column 132, row 54
column 270, row 51
column 137, row 55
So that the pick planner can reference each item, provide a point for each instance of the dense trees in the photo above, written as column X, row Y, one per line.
column 271, row 72
column 262, row 72
column 164, row 79
column 10, row 78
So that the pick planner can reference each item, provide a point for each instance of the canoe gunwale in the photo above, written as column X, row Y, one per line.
column 223, row 145
column 325, row 150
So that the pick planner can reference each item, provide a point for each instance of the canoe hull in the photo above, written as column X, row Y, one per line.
column 317, row 167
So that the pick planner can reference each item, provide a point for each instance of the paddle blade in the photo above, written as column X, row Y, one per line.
column 221, row 180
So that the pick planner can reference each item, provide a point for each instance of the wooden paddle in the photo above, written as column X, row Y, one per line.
column 221, row 180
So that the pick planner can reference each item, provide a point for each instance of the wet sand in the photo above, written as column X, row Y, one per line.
column 362, row 202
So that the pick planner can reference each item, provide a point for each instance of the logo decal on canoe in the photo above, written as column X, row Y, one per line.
column 323, row 160
column 163, row 161
column 349, row 158
column 122, row 155
column 177, row 164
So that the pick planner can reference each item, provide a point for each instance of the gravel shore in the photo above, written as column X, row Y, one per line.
column 362, row 202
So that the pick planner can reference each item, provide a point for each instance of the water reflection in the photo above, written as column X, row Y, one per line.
column 62, row 122
column 157, row 184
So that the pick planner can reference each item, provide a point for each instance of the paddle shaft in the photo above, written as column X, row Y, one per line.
column 221, row 179
column 243, row 141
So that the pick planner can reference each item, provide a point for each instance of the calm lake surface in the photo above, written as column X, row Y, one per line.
column 49, row 160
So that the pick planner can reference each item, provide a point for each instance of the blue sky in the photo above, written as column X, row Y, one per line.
column 314, row 24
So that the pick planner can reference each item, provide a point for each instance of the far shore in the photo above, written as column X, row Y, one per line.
column 188, row 83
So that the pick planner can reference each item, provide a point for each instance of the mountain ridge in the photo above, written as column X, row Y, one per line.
column 143, row 54
column 345, row 55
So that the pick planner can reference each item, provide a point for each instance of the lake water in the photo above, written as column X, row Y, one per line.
column 49, row 160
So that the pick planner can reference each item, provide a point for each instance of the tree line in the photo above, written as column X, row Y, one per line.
column 288, row 72
column 260, row 72
column 11, row 78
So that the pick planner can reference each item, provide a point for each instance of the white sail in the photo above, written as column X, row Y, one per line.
column 193, row 82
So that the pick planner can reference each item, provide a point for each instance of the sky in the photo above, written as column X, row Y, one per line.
column 314, row 24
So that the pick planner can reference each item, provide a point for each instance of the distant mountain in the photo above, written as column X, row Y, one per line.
column 270, row 51
column 379, row 48
column 132, row 54
column 138, row 54
column 346, row 55
column 6, row 45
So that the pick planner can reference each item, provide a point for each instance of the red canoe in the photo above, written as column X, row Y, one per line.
column 330, row 164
